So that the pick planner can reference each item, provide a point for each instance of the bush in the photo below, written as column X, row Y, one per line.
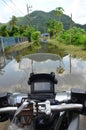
column 36, row 35
column 83, row 41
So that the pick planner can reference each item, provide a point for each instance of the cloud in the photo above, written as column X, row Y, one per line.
column 77, row 9
column 19, row 8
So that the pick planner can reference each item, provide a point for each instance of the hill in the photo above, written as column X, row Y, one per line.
column 38, row 19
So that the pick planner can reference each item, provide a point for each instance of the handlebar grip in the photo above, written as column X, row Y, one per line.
column 7, row 109
column 65, row 107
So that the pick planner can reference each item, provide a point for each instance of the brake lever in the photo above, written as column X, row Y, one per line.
column 24, row 105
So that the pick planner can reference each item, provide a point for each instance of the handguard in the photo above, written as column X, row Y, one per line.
column 4, row 103
column 79, row 96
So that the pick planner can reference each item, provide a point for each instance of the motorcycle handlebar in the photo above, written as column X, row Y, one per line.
column 46, row 107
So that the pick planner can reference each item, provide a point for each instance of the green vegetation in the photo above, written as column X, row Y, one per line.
column 63, row 49
column 62, row 37
column 69, row 41
column 38, row 20
column 75, row 36
column 59, row 12
column 12, row 29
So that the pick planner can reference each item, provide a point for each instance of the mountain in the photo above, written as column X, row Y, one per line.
column 38, row 19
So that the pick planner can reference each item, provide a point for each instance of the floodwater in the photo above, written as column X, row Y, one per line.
column 15, row 75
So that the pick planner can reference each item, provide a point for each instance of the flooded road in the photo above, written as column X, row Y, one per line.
column 14, row 76
column 77, row 77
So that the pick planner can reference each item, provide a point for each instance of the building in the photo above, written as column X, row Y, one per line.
column 45, row 37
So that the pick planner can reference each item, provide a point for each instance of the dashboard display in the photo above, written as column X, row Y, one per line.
column 42, row 86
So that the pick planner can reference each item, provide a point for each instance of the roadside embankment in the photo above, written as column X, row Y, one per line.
column 18, row 47
column 75, row 51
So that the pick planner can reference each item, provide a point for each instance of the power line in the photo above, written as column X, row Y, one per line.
column 2, row 3
column 5, row 3
column 18, row 10
column 26, row 1
column 16, row 6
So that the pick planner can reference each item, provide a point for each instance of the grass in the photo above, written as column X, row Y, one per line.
column 17, row 47
column 53, row 46
column 75, row 51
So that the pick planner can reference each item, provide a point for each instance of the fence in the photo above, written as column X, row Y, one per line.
column 9, row 41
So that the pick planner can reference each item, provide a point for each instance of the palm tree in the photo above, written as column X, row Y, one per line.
column 59, row 12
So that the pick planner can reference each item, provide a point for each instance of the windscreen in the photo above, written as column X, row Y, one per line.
column 14, row 77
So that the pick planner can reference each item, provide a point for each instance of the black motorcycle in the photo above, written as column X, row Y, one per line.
column 43, row 108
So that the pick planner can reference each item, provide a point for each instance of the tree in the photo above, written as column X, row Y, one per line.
column 52, row 27
column 78, row 36
column 28, row 33
column 36, row 35
column 15, row 31
column 59, row 29
column 13, row 27
column 13, row 21
column 59, row 12
column 22, row 30
column 3, row 31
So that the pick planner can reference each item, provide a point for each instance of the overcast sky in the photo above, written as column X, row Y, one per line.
column 19, row 8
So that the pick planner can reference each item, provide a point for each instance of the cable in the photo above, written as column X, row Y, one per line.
column 19, row 10
column 26, row 1
column 5, row 3
column 16, row 6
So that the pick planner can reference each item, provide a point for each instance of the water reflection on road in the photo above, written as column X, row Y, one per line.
column 77, row 78
column 10, row 76
column 14, row 78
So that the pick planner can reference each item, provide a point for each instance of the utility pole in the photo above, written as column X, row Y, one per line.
column 2, row 58
column 28, row 16
column 28, row 9
column 70, row 41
